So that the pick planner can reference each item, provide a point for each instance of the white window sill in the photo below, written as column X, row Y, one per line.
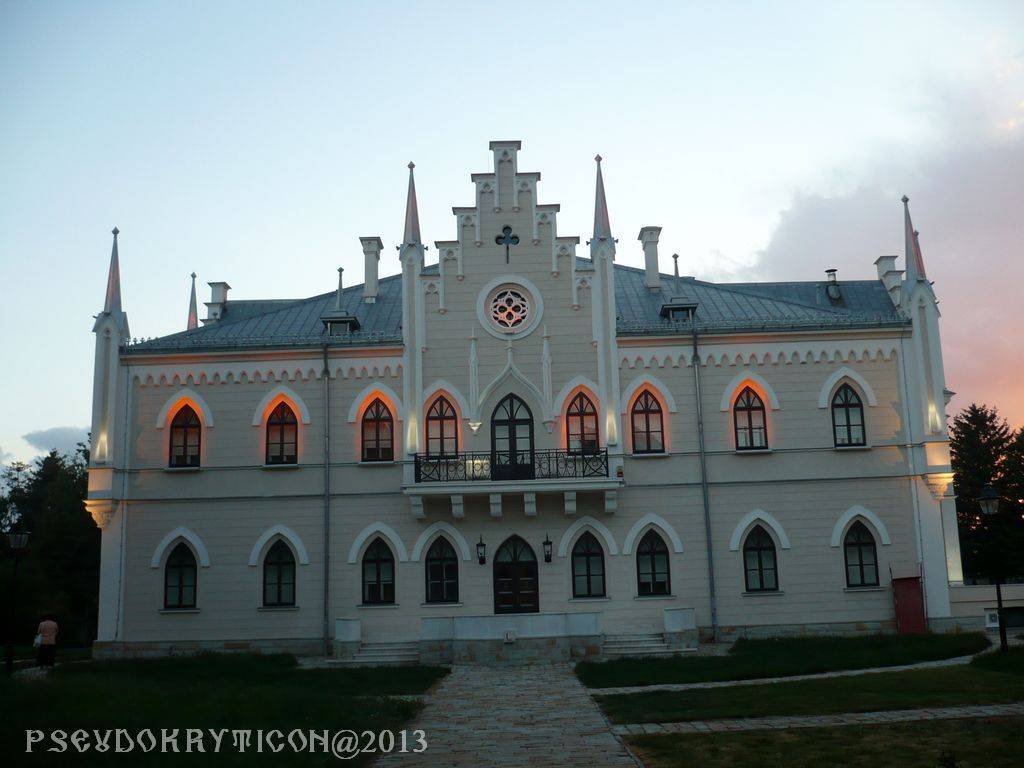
column 176, row 470
column 440, row 605
column 764, row 593
column 852, row 447
column 277, row 608
column 603, row 599
column 660, row 455
column 376, row 463
column 864, row 589
column 752, row 451
column 377, row 606
column 171, row 611
column 280, row 466
column 654, row 597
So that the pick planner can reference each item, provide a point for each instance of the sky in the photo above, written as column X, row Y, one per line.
column 255, row 143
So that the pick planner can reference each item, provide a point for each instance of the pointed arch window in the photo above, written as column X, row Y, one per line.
column 282, row 436
column 378, row 433
column 442, row 429
column 279, row 576
column 378, row 574
column 861, row 557
column 587, row 567
column 442, row 572
column 760, row 568
column 749, row 419
column 847, row 418
column 186, row 434
column 652, row 567
column 180, row 579
column 647, row 424
column 581, row 425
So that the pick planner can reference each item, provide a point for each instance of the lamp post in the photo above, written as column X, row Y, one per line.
column 17, row 542
column 988, row 500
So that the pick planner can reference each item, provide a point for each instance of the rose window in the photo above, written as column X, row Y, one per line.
column 509, row 309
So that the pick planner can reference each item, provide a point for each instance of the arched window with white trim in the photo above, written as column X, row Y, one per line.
column 861, row 557
column 847, row 418
column 652, row 566
column 282, row 436
column 442, row 429
column 378, row 427
column 647, row 424
column 180, row 579
column 186, row 437
column 587, row 567
column 581, row 425
column 760, row 567
column 279, row 576
column 442, row 572
column 378, row 574
column 749, row 420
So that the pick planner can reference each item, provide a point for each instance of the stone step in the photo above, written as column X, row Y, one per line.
column 644, row 654
column 358, row 662
column 634, row 641
column 414, row 646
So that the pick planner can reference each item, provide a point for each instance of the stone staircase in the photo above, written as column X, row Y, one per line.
column 650, row 645
column 404, row 654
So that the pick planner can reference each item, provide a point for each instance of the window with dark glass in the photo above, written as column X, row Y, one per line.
column 442, row 572
column 759, row 562
column 647, row 424
column 748, row 415
column 180, row 578
column 279, row 576
column 185, row 438
column 282, row 436
column 442, row 432
column 652, row 576
column 378, row 574
column 847, row 417
column 587, row 567
column 581, row 425
column 861, row 557
column 378, row 433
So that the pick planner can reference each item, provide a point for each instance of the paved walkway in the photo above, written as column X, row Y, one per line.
column 822, row 721
column 959, row 660
column 536, row 716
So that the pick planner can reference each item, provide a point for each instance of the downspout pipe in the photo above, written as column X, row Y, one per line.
column 326, row 374
column 712, row 601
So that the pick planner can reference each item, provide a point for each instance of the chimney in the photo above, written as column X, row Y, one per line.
column 218, row 303
column 890, row 276
column 371, row 253
column 649, row 238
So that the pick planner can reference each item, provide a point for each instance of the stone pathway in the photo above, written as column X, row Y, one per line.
column 538, row 715
column 959, row 660
column 822, row 721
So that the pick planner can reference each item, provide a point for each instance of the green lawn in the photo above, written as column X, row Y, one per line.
column 227, row 691
column 991, row 679
column 988, row 743
column 28, row 652
column 751, row 659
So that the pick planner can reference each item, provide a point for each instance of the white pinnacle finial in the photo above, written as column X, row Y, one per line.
column 602, row 227
column 912, row 249
column 193, row 312
column 412, row 213
column 112, row 301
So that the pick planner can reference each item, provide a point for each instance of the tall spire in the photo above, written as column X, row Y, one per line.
column 112, row 302
column 341, row 289
column 914, row 259
column 412, row 212
column 193, row 313
column 602, row 228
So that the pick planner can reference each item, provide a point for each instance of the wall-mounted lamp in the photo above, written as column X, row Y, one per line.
column 547, row 549
column 475, row 425
column 481, row 551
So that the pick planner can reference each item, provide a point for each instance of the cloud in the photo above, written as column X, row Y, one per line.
column 5, row 456
column 967, row 194
column 63, row 439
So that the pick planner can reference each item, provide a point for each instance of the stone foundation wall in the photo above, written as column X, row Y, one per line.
column 523, row 650
column 147, row 650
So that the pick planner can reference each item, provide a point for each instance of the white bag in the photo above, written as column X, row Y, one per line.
column 37, row 641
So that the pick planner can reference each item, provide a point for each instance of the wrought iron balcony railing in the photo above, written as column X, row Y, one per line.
column 548, row 464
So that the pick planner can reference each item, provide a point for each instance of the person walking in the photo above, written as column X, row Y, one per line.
column 47, row 635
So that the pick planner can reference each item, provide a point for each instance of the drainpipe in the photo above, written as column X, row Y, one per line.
column 695, row 360
column 326, row 373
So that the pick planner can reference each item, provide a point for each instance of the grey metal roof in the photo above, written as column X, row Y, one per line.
column 721, row 308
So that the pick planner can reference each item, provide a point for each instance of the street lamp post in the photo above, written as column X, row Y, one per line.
column 17, row 542
column 988, row 500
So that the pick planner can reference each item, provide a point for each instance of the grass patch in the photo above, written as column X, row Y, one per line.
column 782, row 657
column 227, row 691
column 28, row 652
column 989, row 742
column 988, row 682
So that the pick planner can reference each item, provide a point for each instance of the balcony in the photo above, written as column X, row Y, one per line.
column 555, row 474
column 551, row 464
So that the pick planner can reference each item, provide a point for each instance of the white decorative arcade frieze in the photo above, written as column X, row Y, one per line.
column 779, row 353
column 264, row 371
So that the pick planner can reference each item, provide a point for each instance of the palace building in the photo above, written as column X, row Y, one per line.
column 520, row 449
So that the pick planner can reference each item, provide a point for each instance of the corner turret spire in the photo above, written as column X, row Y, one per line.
column 602, row 227
column 412, row 212
column 112, row 301
column 193, row 312
column 914, row 259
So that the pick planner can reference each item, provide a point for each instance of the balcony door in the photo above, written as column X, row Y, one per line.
column 515, row 578
column 512, row 440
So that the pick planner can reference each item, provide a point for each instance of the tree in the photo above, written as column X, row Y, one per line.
column 59, row 571
column 985, row 450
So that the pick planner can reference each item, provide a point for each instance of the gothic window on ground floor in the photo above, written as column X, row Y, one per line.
column 759, row 565
column 652, row 568
column 442, row 572
column 180, row 579
column 378, row 574
column 279, row 576
column 587, row 567
column 861, row 557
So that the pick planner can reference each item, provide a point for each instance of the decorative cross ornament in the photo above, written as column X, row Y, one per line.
column 507, row 239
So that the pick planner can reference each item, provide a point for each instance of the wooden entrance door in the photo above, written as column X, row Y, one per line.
column 515, row 578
